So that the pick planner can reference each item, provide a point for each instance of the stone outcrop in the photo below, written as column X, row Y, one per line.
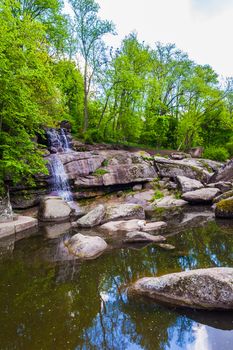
column 224, row 195
column 186, row 184
column 204, row 195
column 93, row 218
column 191, row 168
column 85, row 247
column 140, row 237
column 169, row 202
column 224, row 208
column 53, row 209
column 208, row 289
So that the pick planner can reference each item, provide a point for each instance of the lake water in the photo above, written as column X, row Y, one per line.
column 47, row 303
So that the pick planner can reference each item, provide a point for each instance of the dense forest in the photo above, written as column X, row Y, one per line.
column 55, row 66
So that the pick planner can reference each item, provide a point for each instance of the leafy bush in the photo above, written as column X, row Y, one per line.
column 92, row 135
column 229, row 147
column 216, row 153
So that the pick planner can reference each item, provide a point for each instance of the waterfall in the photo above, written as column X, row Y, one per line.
column 58, row 142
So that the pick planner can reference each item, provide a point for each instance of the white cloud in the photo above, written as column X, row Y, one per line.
column 205, row 33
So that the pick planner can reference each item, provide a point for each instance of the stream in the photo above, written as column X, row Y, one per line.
column 50, row 303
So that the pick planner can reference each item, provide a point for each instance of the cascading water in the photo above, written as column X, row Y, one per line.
column 59, row 142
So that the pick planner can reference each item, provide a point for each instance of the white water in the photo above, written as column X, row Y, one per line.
column 58, row 139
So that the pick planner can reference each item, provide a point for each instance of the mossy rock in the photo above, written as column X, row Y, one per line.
column 224, row 208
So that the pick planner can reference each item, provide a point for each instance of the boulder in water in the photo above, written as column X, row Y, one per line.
column 140, row 237
column 85, row 247
column 224, row 208
column 124, row 211
column 54, row 209
column 209, row 289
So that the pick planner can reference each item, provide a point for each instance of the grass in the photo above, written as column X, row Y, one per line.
column 100, row 172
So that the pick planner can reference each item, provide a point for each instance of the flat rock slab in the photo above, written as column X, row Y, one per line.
column 85, row 247
column 169, row 202
column 21, row 224
column 132, row 225
column 139, row 237
column 124, row 211
column 204, row 195
column 208, row 289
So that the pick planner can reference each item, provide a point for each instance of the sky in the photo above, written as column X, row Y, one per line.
column 202, row 28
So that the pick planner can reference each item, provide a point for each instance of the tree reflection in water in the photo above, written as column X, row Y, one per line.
column 50, row 304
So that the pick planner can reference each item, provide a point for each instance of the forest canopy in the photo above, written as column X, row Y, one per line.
column 55, row 66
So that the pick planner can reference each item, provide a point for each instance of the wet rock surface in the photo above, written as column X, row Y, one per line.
column 209, row 289
column 139, row 237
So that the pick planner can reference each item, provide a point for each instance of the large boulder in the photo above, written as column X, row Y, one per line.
column 204, row 195
column 222, row 196
column 224, row 208
column 93, row 218
column 140, row 237
column 225, row 173
column 193, row 169
column 207, row 289
column 54, row 209
column 85, row 247
column 186, row 184
column 124, row 211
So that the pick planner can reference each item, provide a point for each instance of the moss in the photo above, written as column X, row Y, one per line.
column 100, row 172
column 225, row 205
column 157, row 195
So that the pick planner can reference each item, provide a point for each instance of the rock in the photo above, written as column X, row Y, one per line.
column 143, row 198
column 224, row 208
column 93, row 218
column 186, row 184
column 190, row 168
column 196, row 152
column 166, row 246
column 54, row 209
column 179, row 155
column 132, row 225
column 169, row 202
column 6, row 212
column 225, row 173
column 85, row 247
column 123, row 226
column 137, row 187
column 139, row 237
column 204, row 195
column 57, row 230
column 222, row 186
column 209, row 289
column 153, row 226
column 124, row 211
column 224, row 195
column 22, row 223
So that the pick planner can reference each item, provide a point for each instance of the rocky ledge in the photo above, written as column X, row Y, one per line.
column 208, row 289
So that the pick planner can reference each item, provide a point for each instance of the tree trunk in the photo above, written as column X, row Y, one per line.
column 85, row 99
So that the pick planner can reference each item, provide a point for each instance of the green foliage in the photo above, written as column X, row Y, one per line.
column 100, row 172
column 216, row 153
column 229, row 147
column 157, row 195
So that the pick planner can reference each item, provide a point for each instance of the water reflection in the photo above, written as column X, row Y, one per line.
column 47, row 302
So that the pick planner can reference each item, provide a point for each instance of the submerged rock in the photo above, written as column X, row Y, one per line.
column 204, row 195
column 166, row 246
column 139, row 237
column 186, row 184
column 201, row 289
column 224, row 208
column 85, row 247
column 93, row 218
column 54, row 209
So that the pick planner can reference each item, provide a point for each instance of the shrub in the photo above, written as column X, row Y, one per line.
column 229, row 147
column 216, row 153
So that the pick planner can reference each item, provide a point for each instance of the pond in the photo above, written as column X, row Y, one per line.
column 47, row 303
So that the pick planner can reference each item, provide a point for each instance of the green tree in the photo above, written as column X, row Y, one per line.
column 90, row 30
